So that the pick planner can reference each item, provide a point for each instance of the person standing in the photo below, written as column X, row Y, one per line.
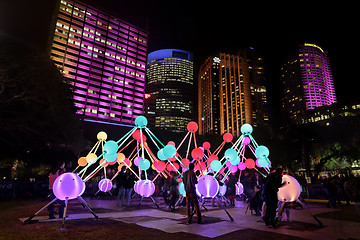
column 129, row 185
column 271, row 188
column 190, row 180
column 52, row 176
column 174, row 190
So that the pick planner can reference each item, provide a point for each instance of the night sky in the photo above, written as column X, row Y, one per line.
column 205, row 28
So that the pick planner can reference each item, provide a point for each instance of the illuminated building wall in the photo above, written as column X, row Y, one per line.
column 306, row 82
column 170, row 87
column 224, row 95
column 105, row 60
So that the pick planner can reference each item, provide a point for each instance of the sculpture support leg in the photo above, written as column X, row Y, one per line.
column 317, row 220
column 140, row 201
column 29, row 219
column 64, row 216
column 152, row 199
column 231, row 218
column 84, row 203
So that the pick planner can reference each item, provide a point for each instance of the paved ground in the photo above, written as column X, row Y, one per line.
column 337, row 223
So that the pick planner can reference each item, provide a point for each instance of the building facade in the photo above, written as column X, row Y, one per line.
column 170, row 89
column 224, row 95
column 105, row 60
column 307, row 82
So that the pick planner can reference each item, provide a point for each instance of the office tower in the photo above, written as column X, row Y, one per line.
column 306, row 82
column 170, row 89
column 260, row 107
column 104, row 58
column 224, row 95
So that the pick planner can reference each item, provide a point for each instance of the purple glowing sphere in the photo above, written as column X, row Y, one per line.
column 207, row 186
column 105, row 185
column 145, row 188
column 68, row 185
column 246, row 140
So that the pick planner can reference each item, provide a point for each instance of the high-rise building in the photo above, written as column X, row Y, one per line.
column 224, row 95
column 105, row 60
column 307, row 82
column 170, row 94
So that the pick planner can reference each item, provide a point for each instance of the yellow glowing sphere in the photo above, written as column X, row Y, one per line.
column 290, row 191
column 91, row 157
column 120, row 157
column 102, row 135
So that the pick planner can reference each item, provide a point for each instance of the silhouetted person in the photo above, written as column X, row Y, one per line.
column 271, row 187
column 190, row 180
column 121, row 187
column 60, row 169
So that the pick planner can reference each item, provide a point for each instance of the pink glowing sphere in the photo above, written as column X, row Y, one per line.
column 137, row 136
column 206, row 145
column 105, row 185
column 137, row 160
column 185, row 161
column 207, row 186
column 241, row 166
column 228, row 137
column 192, row 127
column 145, row 188
column 291, row 190
column 246, row 141
column 197, row 153
column 171, row 143
column 233, row 169
column 171, row 167
column 68, row 185
column 159, row 166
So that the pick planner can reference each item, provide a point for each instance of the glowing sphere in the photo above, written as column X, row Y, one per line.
column 222, row 190
column 171, row 143
column 105, row 185
column 233, row 169
column 291, row 190
column 110, row 147
column 207, row 186
column 145, row 188
column 144, row 164
column 201, row 166
column 91, row 157
column 110, row 157
column 211, row 158
column 227, row 137
column 120, row 157
column 262, row 152
column 169, row 151
column 206, row 145
column 137, row 160
column 249, row 163
column 82, row 161
column 159, row 165
column 137, row 135
column 231, row 154
column 68, row 185
column 171, row 167
column 192, row 127
column 263, row 162
column 246, row 129
column 239, row 188
column 197, row 153
column 185, row 161
column 103, row 162
column 160, row 155
column 182, row 189
column 102, row 135
column 246, row 141
column 241, row 166
column 215, row 165
column 141, row 121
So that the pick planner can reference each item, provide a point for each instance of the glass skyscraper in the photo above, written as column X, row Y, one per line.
column 105, row 59
column 170, row 84
column 307, row 82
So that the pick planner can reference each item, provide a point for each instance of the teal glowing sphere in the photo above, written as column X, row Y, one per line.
column 246, row 129
column 110, row 157
column 141, row 121
column 215, row 165
column 160, row 155
column 144, row 164
column 110, row 147
column 262, row 152
column 235, row 161
column 231, row 154
column 169, row 151
column 263, row 162
column 182, row 189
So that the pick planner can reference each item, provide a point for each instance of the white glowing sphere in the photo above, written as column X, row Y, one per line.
column 290, row 191
column 207, row 186
column 239, row 188
column 145, row 188
column 68, row 185
column 102, row 135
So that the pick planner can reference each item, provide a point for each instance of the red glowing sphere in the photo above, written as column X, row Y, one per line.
column 197, row 153
column 249, row 163
column 228, row 137
column 192, row 127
